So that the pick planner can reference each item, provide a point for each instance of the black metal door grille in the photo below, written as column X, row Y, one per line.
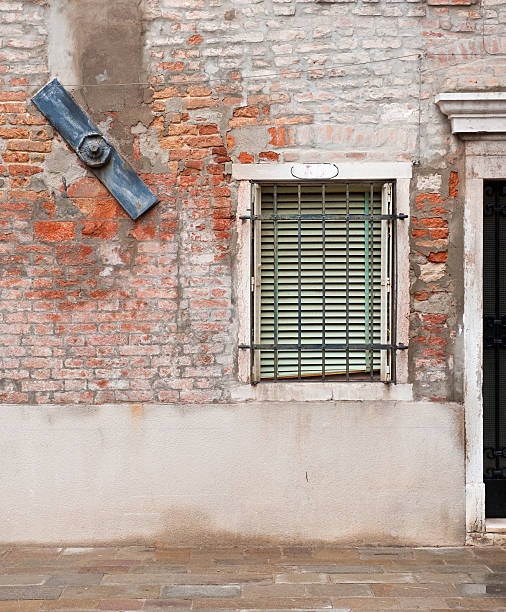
column 494, row 347
column 323, row 278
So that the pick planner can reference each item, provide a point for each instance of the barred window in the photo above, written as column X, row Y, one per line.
column 323, row 282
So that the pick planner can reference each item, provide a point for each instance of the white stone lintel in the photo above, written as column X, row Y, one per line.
column 365, row 170
column 475, row 114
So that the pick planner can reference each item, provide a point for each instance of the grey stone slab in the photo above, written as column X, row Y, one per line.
column 339, row 569
column 482, row 590
column 453, row 578
column 8, row 593
column 20, row 579
column 194, row 591
column 385, row 552
column 340, row 590
column 121, row 591
column 365, row 578
column 161, row 567
column 163, row 578
column 74, row 579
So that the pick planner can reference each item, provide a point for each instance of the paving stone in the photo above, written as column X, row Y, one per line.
column 487, row 577
column 34, row 553
column 104, row 569
column 195, row 591
column 144, row 578
column 438, row 577
column 413, row 590
column 19, row 579
column 275, row 590
column 337, row 555
column 372, row 578
column 21, row 606
column 158, row 568
column 75, row 605
column 297, row 603
column 421, row 603
column 187, row 579
column 482, row 590
column 386, row 553
column 445, row 552
column 74, row 579
column 339, row 569
column 300, row 578
column 477, row 603
column 124, row 591
column 29, row 592
column 92, row 551
column 340, row 590
column 132, row 605
column 266, row 555
column 167, row 604
column 367, row 603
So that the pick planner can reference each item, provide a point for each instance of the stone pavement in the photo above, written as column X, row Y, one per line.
column 239, row 578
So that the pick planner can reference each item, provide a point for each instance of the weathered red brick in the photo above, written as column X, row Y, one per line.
column 199, row 91
column 246, row 158
column 433, row 198
column 246, row 111
column 435, row 318
column 24, row 169
column 52, row 231
column 270, row 155
column 29, row 145
column 99, row 229
column 438, row 257
column 453, row 191
column 15, row 158
column 196, row 39
column 440, row 233
column 19, row 133
column 87, row 187
column 144, row 232
column 434, row 222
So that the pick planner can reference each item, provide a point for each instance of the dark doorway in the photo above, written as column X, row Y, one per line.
column 494, row 347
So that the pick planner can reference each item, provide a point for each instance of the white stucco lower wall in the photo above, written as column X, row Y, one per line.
column 338, row 472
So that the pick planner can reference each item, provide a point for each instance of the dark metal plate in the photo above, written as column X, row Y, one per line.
column 495, row 497
column 74, row 125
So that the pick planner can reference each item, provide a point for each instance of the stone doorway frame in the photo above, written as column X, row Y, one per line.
column 479, row 119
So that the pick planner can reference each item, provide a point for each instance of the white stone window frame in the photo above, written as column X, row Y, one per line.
column 247, row 175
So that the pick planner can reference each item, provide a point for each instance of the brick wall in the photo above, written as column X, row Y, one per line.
column 97, row 308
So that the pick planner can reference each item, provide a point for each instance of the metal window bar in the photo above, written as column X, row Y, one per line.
column 324, row 289
column 392, row 261
column 347, row 281
column 371, row 281
column 280, row 345
column 276, row 282
column 299, row 282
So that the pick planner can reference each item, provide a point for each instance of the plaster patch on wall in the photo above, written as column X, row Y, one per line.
column 107, row 42
column 60, row 60
column 429, row 183
column 150, row 150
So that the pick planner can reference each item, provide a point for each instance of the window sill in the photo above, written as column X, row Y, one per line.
column 495, row 525
column 318, row 392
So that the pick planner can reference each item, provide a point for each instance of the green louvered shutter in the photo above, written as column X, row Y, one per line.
column 303, row 297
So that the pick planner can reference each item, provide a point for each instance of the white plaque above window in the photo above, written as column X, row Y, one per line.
column 314, row 171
